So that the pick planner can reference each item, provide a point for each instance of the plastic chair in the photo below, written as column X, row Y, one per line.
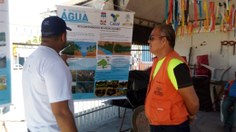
column 213, row 72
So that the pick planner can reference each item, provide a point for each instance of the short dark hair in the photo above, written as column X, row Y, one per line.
column 54, row 36
column 51, row 37
column 167, row 31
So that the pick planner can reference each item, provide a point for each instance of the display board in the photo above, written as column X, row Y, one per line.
column 98, row 50
column 5, row 79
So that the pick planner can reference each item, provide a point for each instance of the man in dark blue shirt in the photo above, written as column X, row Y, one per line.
column 229, row 105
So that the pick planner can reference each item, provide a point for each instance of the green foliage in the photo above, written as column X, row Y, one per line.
column 91, row 48
column 119, row 48
column 108, row 47
column 70, row 49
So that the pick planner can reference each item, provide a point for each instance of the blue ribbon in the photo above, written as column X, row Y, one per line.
column 176, row 9
column 167, row 9
column 200, row 8
column 176, row 15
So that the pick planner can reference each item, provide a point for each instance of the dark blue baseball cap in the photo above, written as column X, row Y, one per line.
column 53, row 25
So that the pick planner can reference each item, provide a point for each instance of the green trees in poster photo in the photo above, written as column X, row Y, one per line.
column 72, row 47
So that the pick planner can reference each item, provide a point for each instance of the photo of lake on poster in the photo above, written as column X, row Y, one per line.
column 113, row 48
column 80, row 49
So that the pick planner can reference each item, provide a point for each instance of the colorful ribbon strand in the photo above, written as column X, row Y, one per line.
column 212, row 12
column 206, row 22
column 170, row 12
column 200, row 8
column 182, row 17
column 175, row 18
column 167, row 9
column 231, row 15
column 195, row 13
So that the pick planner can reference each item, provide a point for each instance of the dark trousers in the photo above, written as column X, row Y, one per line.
column 229, row 114
column 183, row 127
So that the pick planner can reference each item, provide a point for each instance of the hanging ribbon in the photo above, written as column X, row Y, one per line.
column 182, row 17
column 187, row 28
column 176, row 15
column 234, row 32
column 234, row 19
column 195, row 14
column 220, row 15
column 180, row 10
column 206, row 22
column 170, row 12
column 186, row 13
column 223, row 14
column 173, row 12
column 231, row 15
column 190, row 28
column 167, row 9
column 217, row 10
column 200, row 8
column 227, row 4
column 212, row 13
column 179, row 16
column 200, row 26
column 226, row 15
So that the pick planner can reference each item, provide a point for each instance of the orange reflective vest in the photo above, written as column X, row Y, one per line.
column 163, row 104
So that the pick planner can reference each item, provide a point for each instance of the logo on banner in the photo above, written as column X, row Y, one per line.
column 115, row 18
column 103, row 20
column 75, row 16
column 127, row 21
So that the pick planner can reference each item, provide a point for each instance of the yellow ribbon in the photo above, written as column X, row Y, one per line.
column 206, row 22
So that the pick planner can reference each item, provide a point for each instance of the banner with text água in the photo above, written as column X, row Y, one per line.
column 98, row 50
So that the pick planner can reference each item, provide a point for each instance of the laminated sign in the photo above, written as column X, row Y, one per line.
column 98, row 50
column 5, row 79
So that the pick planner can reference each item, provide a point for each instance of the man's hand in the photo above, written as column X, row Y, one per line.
column 191, row 118
column 190, row 99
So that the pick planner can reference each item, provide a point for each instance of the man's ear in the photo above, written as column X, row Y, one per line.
column 164, row 40
column 63, row 37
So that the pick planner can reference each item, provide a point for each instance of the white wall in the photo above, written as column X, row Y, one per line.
column 211, row 47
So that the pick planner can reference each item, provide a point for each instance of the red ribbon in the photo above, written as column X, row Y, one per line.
column 170, row 12
column 231, row 18
column 212, row 11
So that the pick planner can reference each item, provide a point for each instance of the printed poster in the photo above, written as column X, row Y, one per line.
column 99, row 50
column 5, row 79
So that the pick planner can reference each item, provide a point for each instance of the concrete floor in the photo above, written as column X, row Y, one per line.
column 205, row 122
